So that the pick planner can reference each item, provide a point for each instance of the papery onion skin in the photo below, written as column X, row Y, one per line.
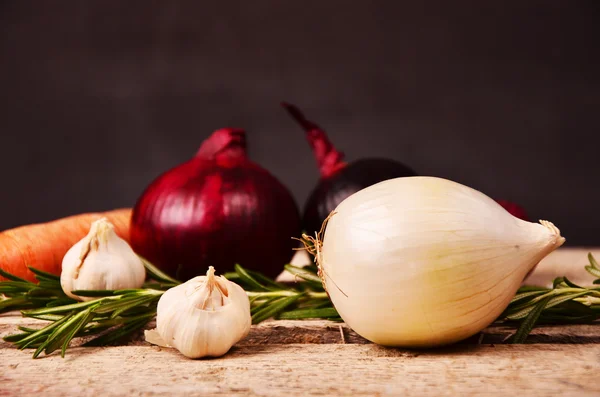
column 339, row 179
column 217, row 209
column 423, row 262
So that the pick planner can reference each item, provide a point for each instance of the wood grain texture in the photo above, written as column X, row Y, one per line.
column 297, row 358
column 297, row 369
column 330, row 332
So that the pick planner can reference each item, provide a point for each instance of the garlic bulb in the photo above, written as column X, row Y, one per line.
column 101, row 261
column 423, row 261
column 204, row 316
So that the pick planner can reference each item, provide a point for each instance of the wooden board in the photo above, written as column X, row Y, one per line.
column 298, row 358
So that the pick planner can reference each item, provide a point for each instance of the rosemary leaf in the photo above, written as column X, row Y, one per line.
column 133, row 305
column 266, row 281
column 43, row 331
column 50, row 284
column 133, row 290
column 232, row 276
column 45, row 275
column 271, row 294
column 89, row 314
column 327, row 312
column 253, row 299
column 592, row 261
column 528, row 294
column 63, row 333
column 26, row 329
column 552, row 298
column 122, row 331
column 594, row 271
column 523, row 308
column 564, row 298
column 34, row 342
column 247, row 279
column 570, row 284
column 527, row 288
column 47, row 292
column 572, row 308
column 158, row 275
column 263, row 305
column 12, row 277
column 273, row 309
column 520, row 311
column 558, row 281
column 11, row 289
column 59, row 309
column 127, row 301
column 47, row 317
column 15, row 303
column 15, row 337
column 23, row 286
column 94, row 293
column 304, row 274
column 61, row 302
column 529, row 322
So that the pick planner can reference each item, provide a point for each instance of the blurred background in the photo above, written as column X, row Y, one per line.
column 100, row 97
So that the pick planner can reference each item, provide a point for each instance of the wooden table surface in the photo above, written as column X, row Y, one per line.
column 300, row 358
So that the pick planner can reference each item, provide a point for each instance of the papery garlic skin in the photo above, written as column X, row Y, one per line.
column 204, row 316
column 423, row 261
column 101, row 261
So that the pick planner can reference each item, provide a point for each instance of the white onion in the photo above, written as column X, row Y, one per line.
column 423, row 261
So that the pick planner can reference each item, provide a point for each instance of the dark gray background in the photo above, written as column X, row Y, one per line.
column 99, row 97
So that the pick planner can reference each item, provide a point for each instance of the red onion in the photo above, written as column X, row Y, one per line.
column 514, row 209
column 217, row 209
column 339, row 179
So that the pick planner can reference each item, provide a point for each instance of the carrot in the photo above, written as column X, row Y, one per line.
column 44, row 245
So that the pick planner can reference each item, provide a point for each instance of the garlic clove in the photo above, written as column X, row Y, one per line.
column 204, row 317
column 152, row 336
column 423, row 261
column 101, row 261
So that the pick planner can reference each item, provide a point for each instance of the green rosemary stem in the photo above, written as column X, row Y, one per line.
column 117, row 314
column 282, row 293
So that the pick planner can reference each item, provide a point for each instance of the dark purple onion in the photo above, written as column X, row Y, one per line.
column 217, row 209
column 339, row 179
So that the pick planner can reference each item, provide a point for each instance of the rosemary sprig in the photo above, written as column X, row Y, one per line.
column 270, row 299
column 115, row 315
column 564, row 303
column 21, row 294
